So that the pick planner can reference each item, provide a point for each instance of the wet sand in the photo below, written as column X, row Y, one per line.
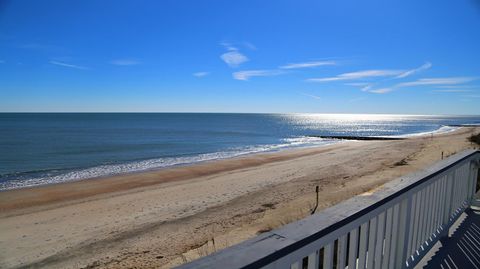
column 163, row 218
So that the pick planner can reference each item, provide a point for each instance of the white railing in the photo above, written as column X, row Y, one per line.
column 391, row 228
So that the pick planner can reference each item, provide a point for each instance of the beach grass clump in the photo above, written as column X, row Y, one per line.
column 401, row 162
column 269, row 205
column 285, row 216
column 475, row 138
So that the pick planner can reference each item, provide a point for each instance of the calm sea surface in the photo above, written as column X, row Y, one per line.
column 42, row 148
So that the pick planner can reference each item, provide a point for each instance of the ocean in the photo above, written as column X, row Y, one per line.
column 44, row 148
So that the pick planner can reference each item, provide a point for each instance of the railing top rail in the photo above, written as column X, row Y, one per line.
column 270, row 246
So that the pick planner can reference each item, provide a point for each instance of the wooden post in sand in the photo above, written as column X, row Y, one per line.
column 316, row 205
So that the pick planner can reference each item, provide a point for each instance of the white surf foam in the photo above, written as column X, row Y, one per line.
column 159, row 163
column 441, row 130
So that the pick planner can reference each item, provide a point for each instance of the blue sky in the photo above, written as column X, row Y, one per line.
column 407, row 57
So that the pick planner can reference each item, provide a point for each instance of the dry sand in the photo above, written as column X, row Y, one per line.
column 163, row 218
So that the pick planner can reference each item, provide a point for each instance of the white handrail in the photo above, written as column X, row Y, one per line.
column 391, row 228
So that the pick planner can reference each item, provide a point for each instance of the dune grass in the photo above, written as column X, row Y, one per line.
column 475, row 138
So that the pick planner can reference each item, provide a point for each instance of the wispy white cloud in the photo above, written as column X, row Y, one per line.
column 407, row 73
column 246, row 75
column 380, row 91
column 424, row 82
column 437, row 81
column 311, row 95
column 307, row 64
column 358, row 84
column 359, row 75
column 231, row 46
column 125, row 62
column 201, row 74
column 370, row 88
column 456, row 86
column 233, row 58
column 365, row 74
column 367, row 87
column 228, row 46
column 452, row 90
column 67, row 65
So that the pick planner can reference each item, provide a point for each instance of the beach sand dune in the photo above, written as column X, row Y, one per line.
column 163, row 218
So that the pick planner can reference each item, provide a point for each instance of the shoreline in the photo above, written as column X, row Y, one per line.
column 78, row 189
column 160, row 219
column 126, row 181
column 329, row 140
column 173, row 166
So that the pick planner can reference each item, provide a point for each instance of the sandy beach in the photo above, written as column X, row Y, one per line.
column 164, row 218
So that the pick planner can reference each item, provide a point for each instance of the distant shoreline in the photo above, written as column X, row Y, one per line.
column 366, row 138
column 464, row 125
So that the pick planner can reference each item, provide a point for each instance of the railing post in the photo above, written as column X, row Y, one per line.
column 449, row 200
column 447, row 205
column 403, row 232
column 473, row 175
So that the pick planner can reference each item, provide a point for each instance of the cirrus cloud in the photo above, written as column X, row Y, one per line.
column 407, row 73
column 307, row 64
column 438, row 82
column 125, row 62
column 366, row 74
column 452, row 90
column 381, row 91
column 67, row 65
column 359, row 75
column 201, row 74
column 246, row 75
column 311, row 95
